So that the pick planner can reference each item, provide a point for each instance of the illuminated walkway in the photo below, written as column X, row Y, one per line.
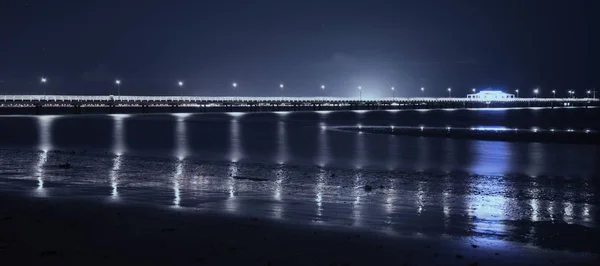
column 280, row 103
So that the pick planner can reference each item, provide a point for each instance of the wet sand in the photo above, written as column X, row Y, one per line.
column 94, row 231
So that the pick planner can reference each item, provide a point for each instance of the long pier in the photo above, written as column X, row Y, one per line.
column 203, row 103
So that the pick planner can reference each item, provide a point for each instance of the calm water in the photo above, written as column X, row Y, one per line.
column 296, row 167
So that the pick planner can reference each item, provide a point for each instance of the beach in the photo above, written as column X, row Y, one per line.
column 40, row 231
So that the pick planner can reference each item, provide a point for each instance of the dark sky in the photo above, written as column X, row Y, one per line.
column 82, row 46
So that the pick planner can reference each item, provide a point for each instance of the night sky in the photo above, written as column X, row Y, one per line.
column 82, row 46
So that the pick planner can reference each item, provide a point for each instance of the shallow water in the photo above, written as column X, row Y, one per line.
column 293, row 167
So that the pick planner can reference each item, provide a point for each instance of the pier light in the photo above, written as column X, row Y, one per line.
column 118, row 83
column 450, row 92
column 43, row 80
column 180, row 83
column 359, row 93
column 588, row 93
column 234, row 85
column 322, row 87
column 473, row 89
column 281, row 86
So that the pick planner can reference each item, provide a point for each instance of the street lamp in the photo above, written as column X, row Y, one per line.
column 473, row 90
column 43, row 80
column 517, row 91
column 281, row 87
column 449, row 92
column 554, row 93
column 118, row 82
column 360, row 93
column 536, row 92
column 180, row 84
column 393, row 93
column 588, row 93
column 423, row 91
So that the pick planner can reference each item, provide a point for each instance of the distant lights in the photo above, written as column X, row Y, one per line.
column 322, row 87
column 234, row 84
column 118, row 81
column 422, row 127
column 180, row 83
column 43, row 80
column 587, row 131
column 534, row 129
column 570, row 130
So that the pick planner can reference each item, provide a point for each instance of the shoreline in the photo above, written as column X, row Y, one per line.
column 61, row 231
column 585, row 137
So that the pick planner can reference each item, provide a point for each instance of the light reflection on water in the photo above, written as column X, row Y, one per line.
column 411, row 177
column 114, row 176
column 43, row 157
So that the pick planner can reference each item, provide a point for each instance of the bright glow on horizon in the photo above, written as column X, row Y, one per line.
column 490, row 128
